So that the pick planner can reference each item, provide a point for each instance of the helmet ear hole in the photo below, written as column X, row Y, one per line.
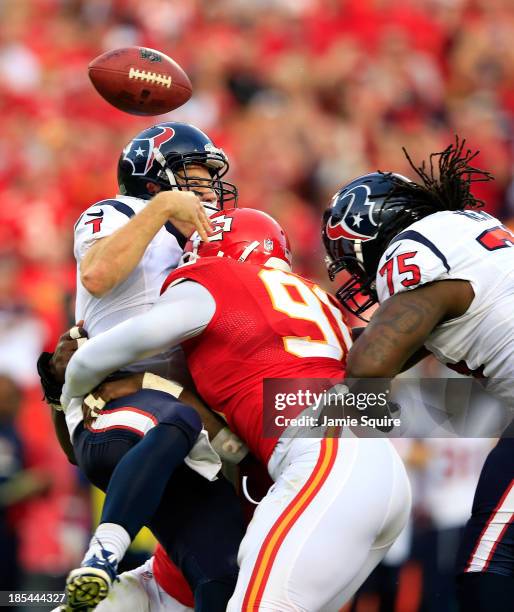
column 153, row 187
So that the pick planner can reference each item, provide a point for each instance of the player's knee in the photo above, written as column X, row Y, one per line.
column 98, row 461
column 186, row 419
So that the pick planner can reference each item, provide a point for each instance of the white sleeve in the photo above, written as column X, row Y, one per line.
column 182, row 312
column 407, row 264
column 97, row 222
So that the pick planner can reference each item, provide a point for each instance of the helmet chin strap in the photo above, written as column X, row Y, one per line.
column 271, row 262
column 162, row 160
column 358, row 251
column 251, row 247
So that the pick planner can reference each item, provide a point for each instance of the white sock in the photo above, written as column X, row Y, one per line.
column 111, row 537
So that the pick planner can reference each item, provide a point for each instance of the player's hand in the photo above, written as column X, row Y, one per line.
column 185, row 211
column 114, row 389
column 108, row 391
column 68, row 344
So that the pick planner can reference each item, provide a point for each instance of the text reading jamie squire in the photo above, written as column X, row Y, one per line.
column 307, row 408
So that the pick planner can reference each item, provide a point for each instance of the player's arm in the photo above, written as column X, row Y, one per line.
column 182, row 312
column 228, row 446
column 420, row 354
column 110, row 260
column 114, row 389
column 63, row 435
column 51, row 368
column 402, row 324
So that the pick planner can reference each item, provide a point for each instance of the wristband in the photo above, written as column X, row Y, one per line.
column 157, row 383
column 95, row 405
column 229, row 447
column 75, row 333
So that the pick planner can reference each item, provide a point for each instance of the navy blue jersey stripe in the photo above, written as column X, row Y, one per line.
column 181, row 239
column 119, row 206
column 417, row 237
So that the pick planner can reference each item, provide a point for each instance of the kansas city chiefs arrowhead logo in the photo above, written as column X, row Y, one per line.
column 352, row 215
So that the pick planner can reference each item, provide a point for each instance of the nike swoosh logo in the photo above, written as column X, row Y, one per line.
column 389, row 255
column 98, row 214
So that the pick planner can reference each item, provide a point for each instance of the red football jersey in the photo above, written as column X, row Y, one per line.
column 268, row 324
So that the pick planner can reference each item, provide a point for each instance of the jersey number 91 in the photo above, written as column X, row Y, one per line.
column 311, row 304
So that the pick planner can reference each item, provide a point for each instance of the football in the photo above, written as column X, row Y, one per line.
column 140, row 81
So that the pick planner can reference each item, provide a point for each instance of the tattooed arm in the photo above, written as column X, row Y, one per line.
column 401, row 326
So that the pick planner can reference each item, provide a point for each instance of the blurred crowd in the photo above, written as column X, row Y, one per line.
column 302, row 95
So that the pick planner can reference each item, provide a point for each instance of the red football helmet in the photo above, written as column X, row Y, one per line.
column 244, row 234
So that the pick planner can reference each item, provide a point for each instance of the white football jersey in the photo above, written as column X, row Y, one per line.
column 141, row 289
column 468, row 245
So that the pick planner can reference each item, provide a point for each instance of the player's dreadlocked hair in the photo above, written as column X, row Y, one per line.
column 450, row 188
column 445, row 184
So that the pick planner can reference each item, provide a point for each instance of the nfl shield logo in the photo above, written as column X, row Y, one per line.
column 268, row 244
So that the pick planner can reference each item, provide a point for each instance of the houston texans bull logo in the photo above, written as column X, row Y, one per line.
column 352, row 215
column 140, row 152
